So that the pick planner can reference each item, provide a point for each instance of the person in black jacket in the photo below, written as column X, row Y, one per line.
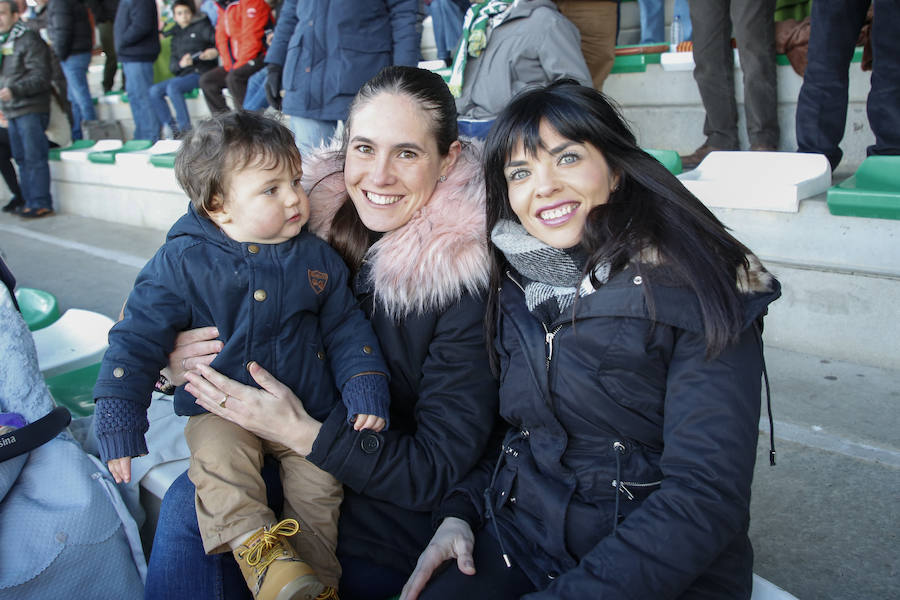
column 72, row 40
column 25, row 104
column 193, row 54
column 627, row 335
column 402, row 202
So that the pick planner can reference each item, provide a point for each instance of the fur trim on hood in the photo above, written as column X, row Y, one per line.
column 438, row 256
column 755, row 279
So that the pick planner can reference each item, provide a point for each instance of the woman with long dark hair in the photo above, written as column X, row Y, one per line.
column 626, row 325
column 403, row 203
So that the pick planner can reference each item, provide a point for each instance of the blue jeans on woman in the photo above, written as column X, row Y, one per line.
column 255, row 99
column 175, row 89
column 75, row 69
column 179, row 569
column 138, row 79
column 29, row 148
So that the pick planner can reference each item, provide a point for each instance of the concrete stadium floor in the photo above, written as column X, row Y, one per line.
column 824, row 520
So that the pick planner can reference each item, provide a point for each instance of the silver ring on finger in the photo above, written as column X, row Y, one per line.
column 223, row 402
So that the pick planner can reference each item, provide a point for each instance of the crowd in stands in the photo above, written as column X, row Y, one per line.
column 307, row 59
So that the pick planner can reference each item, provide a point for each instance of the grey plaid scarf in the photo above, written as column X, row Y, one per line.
column 553, row 276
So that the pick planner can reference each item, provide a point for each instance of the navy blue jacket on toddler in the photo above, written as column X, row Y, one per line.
column 287, row 306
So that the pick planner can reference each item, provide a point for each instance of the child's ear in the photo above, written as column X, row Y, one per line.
column 219, row 215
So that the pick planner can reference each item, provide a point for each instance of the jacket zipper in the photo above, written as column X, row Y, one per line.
column 548, row 335
column 622, row 486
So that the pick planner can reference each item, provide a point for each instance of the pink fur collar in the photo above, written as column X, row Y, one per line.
column 440, row 254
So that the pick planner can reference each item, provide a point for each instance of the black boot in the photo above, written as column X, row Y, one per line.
column 14, row 205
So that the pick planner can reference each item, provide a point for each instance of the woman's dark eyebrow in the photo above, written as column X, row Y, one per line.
column 401, row 145
column 562, row 147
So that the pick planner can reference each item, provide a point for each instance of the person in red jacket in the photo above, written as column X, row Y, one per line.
column 240, row 32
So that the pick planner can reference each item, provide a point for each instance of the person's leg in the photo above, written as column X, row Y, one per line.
column 682, row 10
column 178, row 567
column 211, row 84
column 107, row 42
column 653, row 21
column 30, row 147
column 714, row 72
column 883, row 104
column 492, row 579
column 312, row 497
column 138, row 79
column 311, row 133
column 597, row 24
column 237, row 81
column 225, row 465
column 157, row 94
column 822, row 102
column 754, row 30
column 9, row 172
column 255, row 99
column 176, row 88
column 75, row 70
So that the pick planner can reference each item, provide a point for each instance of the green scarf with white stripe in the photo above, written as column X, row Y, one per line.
column 477, row 25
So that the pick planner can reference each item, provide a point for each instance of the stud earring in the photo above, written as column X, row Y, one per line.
column 442, row 178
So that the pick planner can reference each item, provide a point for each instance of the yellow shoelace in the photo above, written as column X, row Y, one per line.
column 267, row 549
column 329, row 594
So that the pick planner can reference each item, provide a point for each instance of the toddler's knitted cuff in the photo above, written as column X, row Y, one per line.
column 367, row 395
column 120, row 426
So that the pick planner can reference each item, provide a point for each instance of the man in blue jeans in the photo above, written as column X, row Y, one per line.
column 25, row 102
column 72, row 38
column 137, row 44
column 822, row 104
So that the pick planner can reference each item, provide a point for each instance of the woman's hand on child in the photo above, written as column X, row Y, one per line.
column 453, row 539
column 368, row 422
column 273, row 412
column 193, row 348
column 120, row 468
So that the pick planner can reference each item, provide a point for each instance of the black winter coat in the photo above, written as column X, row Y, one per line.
column 421, row 288
column 196, row 37
column 136, row 31
column 618, row 410
column 69, row 28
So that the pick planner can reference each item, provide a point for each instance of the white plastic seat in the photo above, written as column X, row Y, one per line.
column 81, row 154
column 142, row 157
column 758, row 180
column 763, row 589
column 77, row 339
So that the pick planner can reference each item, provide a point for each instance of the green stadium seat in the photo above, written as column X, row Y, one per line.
column 873, row 191
column 39, row 308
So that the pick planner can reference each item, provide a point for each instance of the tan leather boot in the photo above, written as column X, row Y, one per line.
column 272, row 569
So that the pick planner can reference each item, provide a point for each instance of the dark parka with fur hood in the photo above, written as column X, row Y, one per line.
column 612, row 408
column 421, row 287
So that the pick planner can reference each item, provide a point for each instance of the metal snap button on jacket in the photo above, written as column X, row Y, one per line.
column 259, row 295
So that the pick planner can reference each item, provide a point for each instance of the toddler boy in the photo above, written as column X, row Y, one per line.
column 239, row 260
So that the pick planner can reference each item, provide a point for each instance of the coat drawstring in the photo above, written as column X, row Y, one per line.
column 762, row 357
column 489, row 507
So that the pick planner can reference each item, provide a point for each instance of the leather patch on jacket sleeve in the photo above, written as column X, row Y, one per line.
column 317, row 280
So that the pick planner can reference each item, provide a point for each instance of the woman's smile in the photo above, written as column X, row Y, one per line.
column 382, row 199
column 558, row 213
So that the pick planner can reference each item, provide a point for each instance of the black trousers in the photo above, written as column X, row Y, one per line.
column 213, row 82
column 492, row 580
column 6, row 166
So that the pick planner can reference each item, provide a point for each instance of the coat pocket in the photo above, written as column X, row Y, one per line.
column 362, row 57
